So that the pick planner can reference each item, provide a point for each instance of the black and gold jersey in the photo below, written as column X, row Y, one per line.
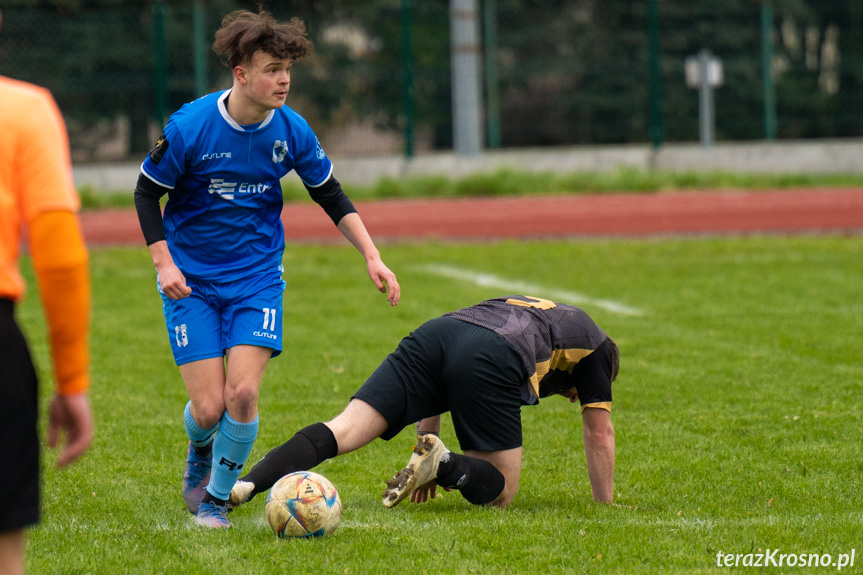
column 557, row 343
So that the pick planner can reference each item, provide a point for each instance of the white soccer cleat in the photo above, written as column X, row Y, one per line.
column 421, row 469
column 241, row 492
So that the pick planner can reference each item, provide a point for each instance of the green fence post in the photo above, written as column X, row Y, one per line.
column 161, row 61
column 408, row 73
column 767, row 71
column 200, row 25
column 491, row 83
column 656, row 129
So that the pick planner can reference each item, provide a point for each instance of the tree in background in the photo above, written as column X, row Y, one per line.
column 569, row 72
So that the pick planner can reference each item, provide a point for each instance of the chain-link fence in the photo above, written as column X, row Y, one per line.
column 554, row 72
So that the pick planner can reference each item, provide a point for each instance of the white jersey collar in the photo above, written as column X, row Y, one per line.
column 223, row 110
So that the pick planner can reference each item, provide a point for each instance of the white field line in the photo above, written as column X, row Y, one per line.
column 635, row 518
column 526, row 288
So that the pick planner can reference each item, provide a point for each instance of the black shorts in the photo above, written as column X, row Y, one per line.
column 18, row 435
column 450, row 365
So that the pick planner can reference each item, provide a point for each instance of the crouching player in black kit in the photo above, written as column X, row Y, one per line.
column 481, row 363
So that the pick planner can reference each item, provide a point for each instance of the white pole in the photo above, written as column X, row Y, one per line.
column 466, row 77
column 705, row 96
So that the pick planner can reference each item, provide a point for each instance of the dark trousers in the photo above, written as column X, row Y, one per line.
column 19, row 440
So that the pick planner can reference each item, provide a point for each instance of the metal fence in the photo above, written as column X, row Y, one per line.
column 555, row 73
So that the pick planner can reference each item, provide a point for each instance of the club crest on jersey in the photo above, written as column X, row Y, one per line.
column 280, row 150
column 182, row 337
column 159, row 149
column 319, row 150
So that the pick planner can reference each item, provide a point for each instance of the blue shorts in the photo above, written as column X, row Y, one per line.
column 218, row 316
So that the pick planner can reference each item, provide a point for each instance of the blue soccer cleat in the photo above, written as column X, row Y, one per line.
column 213, row 515
column 196, row 477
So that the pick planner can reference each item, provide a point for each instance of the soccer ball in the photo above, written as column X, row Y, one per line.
column 303, row 504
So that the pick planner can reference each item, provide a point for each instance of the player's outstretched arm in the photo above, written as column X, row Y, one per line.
column 353, row 229
column 599, row 452
column 60, row 261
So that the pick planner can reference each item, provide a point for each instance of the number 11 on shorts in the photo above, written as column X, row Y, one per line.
column 269, row 318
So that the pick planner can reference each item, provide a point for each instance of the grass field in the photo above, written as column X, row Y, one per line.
column 737, row 413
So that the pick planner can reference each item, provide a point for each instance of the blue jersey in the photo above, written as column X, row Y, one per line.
column 223, row 215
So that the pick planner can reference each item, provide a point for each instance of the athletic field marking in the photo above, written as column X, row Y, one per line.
column 525, row 288
column 634, row 517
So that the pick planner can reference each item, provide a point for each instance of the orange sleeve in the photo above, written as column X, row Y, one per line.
column 47, row 184
column 61, row 266
column 35, row 171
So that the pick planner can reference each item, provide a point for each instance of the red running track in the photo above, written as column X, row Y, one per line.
column 609, row 215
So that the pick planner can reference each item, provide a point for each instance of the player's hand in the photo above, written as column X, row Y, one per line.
column 385, row 281
column 571, row 394
column 70, row 415
column 425, row 492
column 173, row 282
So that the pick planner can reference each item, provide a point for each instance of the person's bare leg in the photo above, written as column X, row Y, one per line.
column 358, row 425
column 245, row 371
column 205, row 384
column 238, row 426
column 12, row 545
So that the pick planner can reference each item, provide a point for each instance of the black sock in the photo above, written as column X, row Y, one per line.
column 204, row 451
column 479, row 481
column 307, row 448
column 207, row 498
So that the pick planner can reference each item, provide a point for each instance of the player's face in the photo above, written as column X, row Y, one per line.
column 268, row 79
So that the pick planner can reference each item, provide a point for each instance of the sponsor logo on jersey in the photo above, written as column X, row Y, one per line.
column 223, row 188
column 216, row 155
column 319, row 150
column 228, row 190
column 280, row 150
column 159, row 149
column 265, row 334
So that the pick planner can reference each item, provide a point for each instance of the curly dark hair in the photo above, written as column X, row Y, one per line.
column 243, row 33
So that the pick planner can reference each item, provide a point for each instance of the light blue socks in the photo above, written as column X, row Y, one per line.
column 198, row 436
column 231, row 448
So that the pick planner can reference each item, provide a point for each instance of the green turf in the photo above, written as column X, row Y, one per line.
column 737, row 415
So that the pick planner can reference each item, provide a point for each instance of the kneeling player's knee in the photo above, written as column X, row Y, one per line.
column 505, row 498
column 488, row 491
column 478, row 480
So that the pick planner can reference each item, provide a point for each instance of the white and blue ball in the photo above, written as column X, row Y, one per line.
column 303, row 504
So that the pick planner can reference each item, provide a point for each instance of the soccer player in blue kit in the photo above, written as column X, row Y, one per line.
column 218, row 247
